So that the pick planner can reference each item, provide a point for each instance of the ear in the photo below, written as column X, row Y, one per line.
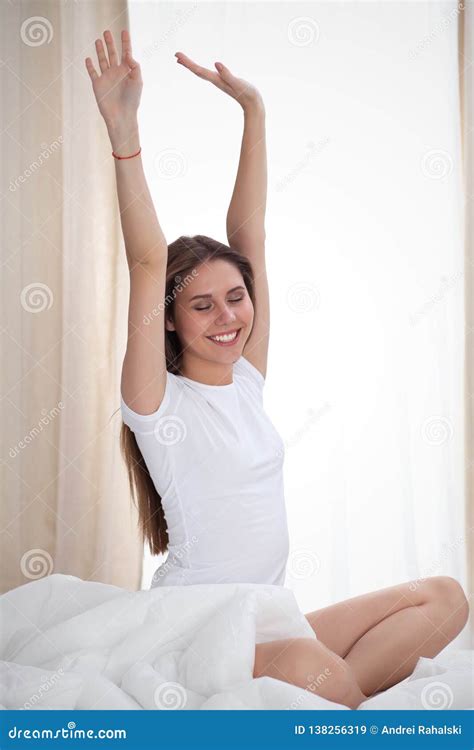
column 169, row 325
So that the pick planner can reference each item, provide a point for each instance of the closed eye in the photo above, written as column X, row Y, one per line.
column 209, row 307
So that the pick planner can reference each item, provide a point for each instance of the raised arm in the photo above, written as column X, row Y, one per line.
column 246, row 215
column 245, row 224
column 117, row 90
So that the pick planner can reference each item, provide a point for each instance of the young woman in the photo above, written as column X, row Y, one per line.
column 204, row 460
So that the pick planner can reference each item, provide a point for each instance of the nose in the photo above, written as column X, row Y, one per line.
column 226, row 315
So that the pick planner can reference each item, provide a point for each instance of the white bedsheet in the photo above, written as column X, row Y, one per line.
column 66, row 643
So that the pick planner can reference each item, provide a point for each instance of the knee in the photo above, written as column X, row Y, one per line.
column 321, row 671
column 451, row 600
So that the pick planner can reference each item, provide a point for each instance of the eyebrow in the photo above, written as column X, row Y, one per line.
column 206, row 296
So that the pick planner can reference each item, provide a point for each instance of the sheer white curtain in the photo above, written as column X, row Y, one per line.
column 365, row 258
column 65, row 497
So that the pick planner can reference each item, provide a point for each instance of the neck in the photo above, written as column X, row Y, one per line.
column 206, row 371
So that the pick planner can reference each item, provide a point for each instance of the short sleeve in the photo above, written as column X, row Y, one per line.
column 145, row 423
column 248, row 370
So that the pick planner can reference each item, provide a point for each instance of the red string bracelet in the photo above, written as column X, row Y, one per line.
column 126, row 157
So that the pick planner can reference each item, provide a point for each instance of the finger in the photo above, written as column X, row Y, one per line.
column 135, row 71
column 90, row 69
column 198, row 70
column 112, row 52
column 103, row 62
column 224, row 72
column 126, row 44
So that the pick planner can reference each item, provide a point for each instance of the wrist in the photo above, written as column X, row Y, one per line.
column 254, row 108
column 125, row 139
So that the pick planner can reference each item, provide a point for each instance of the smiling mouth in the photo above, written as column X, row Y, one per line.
column 227, row 339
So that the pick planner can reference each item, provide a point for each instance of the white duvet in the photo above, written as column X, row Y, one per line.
column 71, row 644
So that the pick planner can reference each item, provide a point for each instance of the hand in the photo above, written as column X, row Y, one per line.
column 246, row 94
column 118, row 88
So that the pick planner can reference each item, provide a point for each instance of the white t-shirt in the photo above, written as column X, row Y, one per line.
column 217, row 462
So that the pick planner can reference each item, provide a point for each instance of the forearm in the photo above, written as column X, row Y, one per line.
column 246, row 215
column 143, row 237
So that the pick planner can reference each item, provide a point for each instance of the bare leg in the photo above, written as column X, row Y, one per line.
column 382, row 634
column 389, row 651
column 309, row 664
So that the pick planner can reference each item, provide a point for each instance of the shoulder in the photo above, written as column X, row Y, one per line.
column 146, row 423
column 245, row 372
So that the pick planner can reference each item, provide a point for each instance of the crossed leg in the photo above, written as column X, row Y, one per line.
column 308, row 663
column 370, row 642
column 382, row 634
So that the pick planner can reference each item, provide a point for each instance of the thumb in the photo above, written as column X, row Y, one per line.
column 133, row 65
column 224, row 72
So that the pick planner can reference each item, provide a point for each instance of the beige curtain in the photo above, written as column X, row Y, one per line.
column 64, row 288
column 466, row 81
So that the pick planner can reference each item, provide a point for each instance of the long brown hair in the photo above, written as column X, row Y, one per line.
column 184, row 255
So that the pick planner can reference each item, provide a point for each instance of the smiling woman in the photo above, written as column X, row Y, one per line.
column 205, row 462
column 204, row 320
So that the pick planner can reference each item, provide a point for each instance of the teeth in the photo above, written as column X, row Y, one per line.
column 227, row 337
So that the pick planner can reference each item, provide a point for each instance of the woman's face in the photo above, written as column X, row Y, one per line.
column 216, row 301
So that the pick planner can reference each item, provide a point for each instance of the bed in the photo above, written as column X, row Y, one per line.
column 67, row 643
